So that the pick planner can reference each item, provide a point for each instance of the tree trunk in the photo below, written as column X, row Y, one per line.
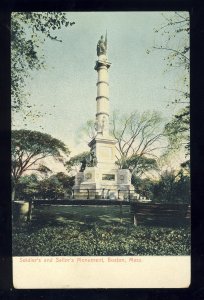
column 13, row 193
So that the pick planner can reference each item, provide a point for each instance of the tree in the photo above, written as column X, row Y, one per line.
column 165, row 188
column 173, row 186
column 138, row 136
column 56, row 186
column 186, row 167
column 29, row 30
column 76, row 160
column 183, row 187
column 27, row 187
column 139, row 165
column 139, row 139
column 175, row 42
column 143, row 186
column 29, row 148
column 175, row 32
column 178, row 130
column 87, row 131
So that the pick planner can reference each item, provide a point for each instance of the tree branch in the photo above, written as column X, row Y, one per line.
column 173, row 50
column 37, row 160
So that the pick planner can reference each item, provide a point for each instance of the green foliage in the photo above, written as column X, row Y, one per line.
column 144, row 186
column 28, row 148
column 76, row 160
column 172, row 187
column 56, row 186
column 186, row 167
column 95, row 230
column 175, row 32
column 138, row 164
column 28, row 33
column 178, row 130
column 76, row 240
column 174, row 40
column 27, row 186
column 35, row 143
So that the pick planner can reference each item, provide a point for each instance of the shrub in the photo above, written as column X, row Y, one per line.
column 76, row 240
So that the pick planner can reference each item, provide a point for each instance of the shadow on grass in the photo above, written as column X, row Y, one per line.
column 83, row 216
column 87, row 217
column 88, row 231
column 165, row 223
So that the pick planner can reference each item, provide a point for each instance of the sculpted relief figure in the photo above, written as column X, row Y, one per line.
column 93, row 159
column 104, row 125
column 83, row 165
column 98, row 126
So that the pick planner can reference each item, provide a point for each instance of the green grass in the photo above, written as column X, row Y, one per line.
column 91, row 230
column 65, row 215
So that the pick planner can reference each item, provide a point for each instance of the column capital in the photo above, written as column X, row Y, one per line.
column 102, row 63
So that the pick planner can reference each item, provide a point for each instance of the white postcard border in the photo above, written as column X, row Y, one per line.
column 101, row 272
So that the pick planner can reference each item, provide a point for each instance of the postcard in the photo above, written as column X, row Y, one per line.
column 100, row 149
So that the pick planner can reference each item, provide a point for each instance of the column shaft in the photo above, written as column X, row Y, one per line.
column 102, row 115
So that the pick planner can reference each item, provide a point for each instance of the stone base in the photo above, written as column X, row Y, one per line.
column 97, row 183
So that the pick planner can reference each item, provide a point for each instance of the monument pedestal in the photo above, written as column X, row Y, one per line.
column 100, row 183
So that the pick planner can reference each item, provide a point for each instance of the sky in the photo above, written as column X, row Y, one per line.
column 66, row 89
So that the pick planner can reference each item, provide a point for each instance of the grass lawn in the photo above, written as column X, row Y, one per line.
column 80, row 215
column 95, row 230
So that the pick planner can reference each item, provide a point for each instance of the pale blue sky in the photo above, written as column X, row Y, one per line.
column 136, row 79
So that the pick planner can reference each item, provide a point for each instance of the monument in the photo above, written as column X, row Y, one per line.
column 102, row 178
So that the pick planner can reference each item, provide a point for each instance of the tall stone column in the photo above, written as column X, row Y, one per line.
column 103, row 145
column 103, row 175
column 102, row 99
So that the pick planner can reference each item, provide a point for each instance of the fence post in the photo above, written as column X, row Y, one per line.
column 134, row 219
column 103, row 193
column 129, row 195
column 87, row 194
column 73, row 194
column 133, row 214
column 118, row 194
column 121, row 212
column 29, row 215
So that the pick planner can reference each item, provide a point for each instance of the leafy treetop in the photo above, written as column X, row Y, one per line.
column 29, row 30
column 29, row 147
